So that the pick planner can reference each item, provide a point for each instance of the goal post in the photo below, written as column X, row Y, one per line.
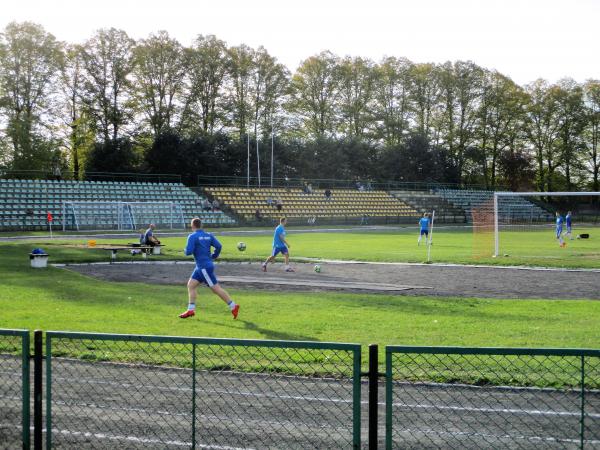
column 520, row 211
column 79, row 215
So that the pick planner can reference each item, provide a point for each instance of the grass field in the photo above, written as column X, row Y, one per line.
column 530, row 248
column 55, row 299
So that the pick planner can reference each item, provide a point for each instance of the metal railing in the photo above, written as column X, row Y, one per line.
column 132, row 391
column 24, row 174
column 323, row 183
column 200, row 392
column 492, row 397
column 14, row 389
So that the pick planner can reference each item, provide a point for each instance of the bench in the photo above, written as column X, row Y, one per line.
column 145, row 249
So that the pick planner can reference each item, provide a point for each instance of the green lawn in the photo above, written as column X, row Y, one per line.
column 530, row 248
column 56, row 299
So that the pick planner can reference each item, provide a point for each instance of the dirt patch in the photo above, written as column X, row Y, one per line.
column 405, row 279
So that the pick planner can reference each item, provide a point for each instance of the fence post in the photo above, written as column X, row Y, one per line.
column 373, row 394
column 193, row 396
column 582, row 422
column 37, row 389
column 26, row 390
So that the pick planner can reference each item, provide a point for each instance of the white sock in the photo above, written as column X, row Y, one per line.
column 191, row 307
column 231, row 305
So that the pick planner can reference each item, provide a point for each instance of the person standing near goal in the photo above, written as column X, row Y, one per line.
column 424, row 223
column 559, row 229
column 280, row 245
column 568, row 223
column 199, row 244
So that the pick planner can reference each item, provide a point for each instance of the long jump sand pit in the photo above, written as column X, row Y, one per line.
column 404, row 279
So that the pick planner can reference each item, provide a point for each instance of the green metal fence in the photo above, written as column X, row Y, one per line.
column 14, row 389
column 453, row 397
column 162, row 392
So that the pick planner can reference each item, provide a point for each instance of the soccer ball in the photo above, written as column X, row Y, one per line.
column 317, row 268
column 241, row 246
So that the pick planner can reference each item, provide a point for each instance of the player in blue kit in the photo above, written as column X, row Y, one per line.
column 199, row 244
column 424, row 223
column 559, row 228
column 280, row 245
column 569, row 224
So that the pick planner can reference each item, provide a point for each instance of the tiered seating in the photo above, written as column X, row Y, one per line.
column 509, row 208
column 425, row 201
column 298, row 205
column 25, row 203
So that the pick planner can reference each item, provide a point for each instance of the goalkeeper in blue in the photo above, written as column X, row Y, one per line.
column 569, row 224
column 199, row 244
column 424, row 224
column 559, row 229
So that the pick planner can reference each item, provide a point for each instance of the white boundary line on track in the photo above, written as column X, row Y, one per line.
column 341, row 261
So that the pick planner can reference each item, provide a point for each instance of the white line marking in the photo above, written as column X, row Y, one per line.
column 495, row 436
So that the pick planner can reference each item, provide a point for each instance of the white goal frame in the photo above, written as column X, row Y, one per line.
column 123, row 214
column 528, row 194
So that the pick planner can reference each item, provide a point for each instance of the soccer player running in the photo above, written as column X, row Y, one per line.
column 280, row 245
column 199, row 244
column 424, row 223
column 559, row 228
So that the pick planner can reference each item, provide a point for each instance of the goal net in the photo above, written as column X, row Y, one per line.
column 121, row 215
column 524, row 224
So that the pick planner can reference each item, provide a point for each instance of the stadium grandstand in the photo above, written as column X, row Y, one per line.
column 343, row 205
column 517, row 208
column 99, row 204
column 427, row 201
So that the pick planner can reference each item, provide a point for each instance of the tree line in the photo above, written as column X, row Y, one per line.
column 154, row 105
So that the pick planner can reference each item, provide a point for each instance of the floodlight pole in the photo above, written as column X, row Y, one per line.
column 272, row 139
column 248, row 166
column 257, row 159
column 496, row 237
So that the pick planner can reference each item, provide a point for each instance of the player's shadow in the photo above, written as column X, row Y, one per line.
column 276, row 335
column 272, row 334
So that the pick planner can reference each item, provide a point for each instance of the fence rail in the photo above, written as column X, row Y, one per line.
column 14, row 388
column 492, row 397
column 197, row 392
column 137, row 391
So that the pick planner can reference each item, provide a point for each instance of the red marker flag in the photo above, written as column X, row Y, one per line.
column 49, row 217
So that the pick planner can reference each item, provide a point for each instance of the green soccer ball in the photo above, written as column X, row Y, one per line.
column 317, row 268
column 241, row 246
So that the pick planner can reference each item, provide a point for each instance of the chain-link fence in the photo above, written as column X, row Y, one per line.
column 167, row 392
column 14, row 389
column 461, row 398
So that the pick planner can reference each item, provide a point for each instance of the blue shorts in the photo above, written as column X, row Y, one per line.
column 558, row 232
column 425, row 232
column 278, row 250
column 568, row 228
column 206, row 276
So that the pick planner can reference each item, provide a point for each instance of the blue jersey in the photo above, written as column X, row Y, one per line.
column 568, row 220
column 199, row 244
column 147, row 235
column 279, row 236
column 559, row 222
column 424, row 223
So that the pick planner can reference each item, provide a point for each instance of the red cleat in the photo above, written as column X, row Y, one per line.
column 235, row 311
column 188, row 313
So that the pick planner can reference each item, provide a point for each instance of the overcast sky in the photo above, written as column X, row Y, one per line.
column 524, row 39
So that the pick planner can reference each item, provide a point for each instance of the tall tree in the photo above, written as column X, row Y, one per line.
column 30, row 61
column 159, row 71
column 569, row 98
column 356, row 78
column 108, row 61
column 314, row 91
column 393, row 103
column 206, row 65
column 425, row 94
column 591, row 133
column 542, row 128
column 240, row 71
